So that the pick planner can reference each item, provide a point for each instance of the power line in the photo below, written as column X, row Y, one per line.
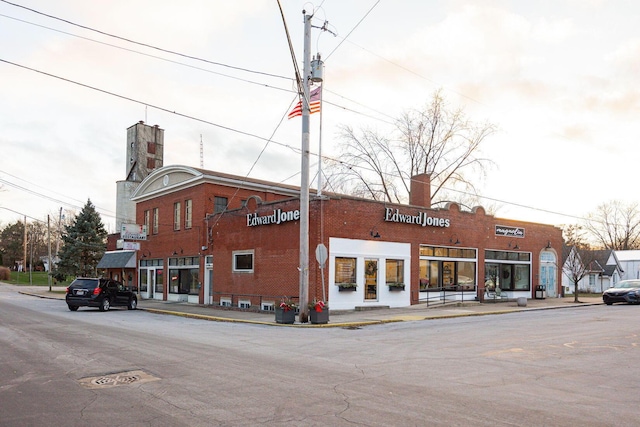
column 151, row 56
column 195, row 58
column 210, row 62
column 157, row 107
column 39, row 194
column 297, row 150
column 217, row 73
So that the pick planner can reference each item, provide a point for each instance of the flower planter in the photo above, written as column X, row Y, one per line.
column 319, row 317
column 287, row 317
column 396, row 288
column 346, row 288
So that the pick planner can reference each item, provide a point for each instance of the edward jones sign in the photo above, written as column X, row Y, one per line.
column 422, row 219
column 277, row 217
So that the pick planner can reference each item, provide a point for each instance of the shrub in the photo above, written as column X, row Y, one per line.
column 5, row 273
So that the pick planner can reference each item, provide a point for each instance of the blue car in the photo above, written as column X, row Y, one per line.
column 625, row 291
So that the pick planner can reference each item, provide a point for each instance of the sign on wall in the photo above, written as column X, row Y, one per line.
column 422, row 219
column 503, row 230
column 277, row 217
column 133, row 232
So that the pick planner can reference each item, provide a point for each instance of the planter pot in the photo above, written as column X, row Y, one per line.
column 319, row 317
column 287, row 317
column 346, row 289
column 396, row 288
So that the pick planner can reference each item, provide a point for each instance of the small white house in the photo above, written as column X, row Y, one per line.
column 630, row 262
column 604, row 272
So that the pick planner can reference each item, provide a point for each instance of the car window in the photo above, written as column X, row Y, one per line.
column 629, row 284
column 84, row 283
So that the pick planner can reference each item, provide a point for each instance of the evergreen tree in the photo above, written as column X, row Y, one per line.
column 83, row 244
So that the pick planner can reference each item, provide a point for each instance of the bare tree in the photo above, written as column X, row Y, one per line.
column 435, row 140
column 577, row 255
column 615, row 225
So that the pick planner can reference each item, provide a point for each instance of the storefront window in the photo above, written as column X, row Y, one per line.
column 510, row 272
column 184, row 281
column 143, row 280
column 345, row 270
column 445, row 252
column 438, row 275
column 521, row 277
column 159, row 281
column 395, row 271
column 466, row 275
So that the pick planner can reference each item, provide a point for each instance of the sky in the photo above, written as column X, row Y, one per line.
column 557, row 78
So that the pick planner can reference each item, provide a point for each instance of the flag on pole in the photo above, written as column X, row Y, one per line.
column 314, row 103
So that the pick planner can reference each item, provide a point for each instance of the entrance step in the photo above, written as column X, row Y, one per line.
column 371, row 307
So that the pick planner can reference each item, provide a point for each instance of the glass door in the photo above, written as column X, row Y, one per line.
column 371, row 279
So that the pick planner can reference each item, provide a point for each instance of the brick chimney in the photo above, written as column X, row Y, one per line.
column 421, row 190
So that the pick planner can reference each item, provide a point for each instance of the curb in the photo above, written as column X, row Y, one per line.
column 354, row 324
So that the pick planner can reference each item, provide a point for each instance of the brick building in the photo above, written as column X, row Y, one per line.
column 221, row 239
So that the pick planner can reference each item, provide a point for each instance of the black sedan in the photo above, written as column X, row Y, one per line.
column 625, row 291
column 100, row 293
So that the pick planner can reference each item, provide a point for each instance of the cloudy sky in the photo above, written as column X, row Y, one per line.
column 558, row 78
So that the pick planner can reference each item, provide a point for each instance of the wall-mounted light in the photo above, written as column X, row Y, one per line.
column 374, row 233
column 176, row 252
column 513, row 246
column 146, row 253
column 548, row 244
column 454, row 239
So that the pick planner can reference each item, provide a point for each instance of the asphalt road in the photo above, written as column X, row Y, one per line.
column 555, row 368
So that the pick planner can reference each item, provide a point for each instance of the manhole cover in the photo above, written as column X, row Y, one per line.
column 113, row 380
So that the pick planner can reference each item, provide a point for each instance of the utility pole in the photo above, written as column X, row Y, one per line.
column 304, row 175
column 49, row 254
column 24, row 249
column 59, row 232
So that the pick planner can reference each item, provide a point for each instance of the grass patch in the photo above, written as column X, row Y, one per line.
column 36, row 278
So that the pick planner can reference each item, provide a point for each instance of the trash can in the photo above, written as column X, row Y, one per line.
column 541, row 292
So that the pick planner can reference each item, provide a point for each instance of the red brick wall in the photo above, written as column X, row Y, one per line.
column 276, row 246
column 187, row 242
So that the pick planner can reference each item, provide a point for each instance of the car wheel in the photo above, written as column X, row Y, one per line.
column 608, row 302
column 73, row 307
column 133, row 304
column 105, row 304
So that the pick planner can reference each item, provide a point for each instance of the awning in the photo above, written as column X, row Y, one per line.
column 118, row 259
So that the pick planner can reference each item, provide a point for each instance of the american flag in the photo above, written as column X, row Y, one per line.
column 314, row 103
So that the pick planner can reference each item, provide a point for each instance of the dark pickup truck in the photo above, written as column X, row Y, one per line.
column 100, row 293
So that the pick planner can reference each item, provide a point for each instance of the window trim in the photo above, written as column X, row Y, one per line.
column 177, row 206
column 188, row 214
column 234, row 263
column 156, row 220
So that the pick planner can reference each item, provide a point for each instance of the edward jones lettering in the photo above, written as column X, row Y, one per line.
column 277, row 217
column 421, row 218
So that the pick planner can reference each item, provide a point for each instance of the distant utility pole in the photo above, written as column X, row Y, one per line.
column 24, row 249
column 49, row 252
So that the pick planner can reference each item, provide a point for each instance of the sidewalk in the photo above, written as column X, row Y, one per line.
column 342, row 318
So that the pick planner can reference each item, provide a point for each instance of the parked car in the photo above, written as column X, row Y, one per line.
column 625, row 291
column 100, row 293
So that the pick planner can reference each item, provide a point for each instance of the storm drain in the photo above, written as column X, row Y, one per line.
column 114, row 380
